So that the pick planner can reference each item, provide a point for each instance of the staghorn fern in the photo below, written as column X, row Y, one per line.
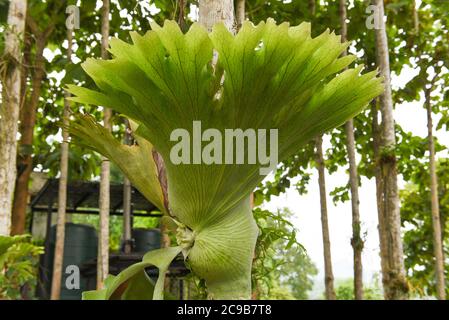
column 266, row 77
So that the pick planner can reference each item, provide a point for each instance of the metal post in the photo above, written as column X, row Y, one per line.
column 31, row 221
column 127, row 216
column 127, row 194
column 181, row 289
column 44, row 266
column 47, row 231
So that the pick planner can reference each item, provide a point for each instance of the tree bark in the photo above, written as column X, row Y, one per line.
column 356, row 240
column 415, row 17
column 393, row 271
column 383, row 239
column 240, row 13
column 213, row 11
column 328, row 273
column 27, row 123
column 62, row 192
column 104, row 201
column 435, row 208
column 312, row 7
column 10, row 109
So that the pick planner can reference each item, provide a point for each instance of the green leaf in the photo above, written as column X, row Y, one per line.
column 140, row 287
column 135, row 161
column 7, row 242
column 132, row 283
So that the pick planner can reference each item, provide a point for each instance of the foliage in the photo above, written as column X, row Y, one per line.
column 18, row 265
column 281, row 266
column 277, row 292
column 345, row 290
column 138, row 286
column 417, row 222
column 297, row 272
column 84, row 164
column 296, row 165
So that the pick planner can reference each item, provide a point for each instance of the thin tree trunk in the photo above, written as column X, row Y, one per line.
column 27, row 123
column 312, row 7
column 356, row 241
column 62, row 192
column 383, row 239
column 26, row 63
column 328, row 273
column 104, row 201
column 393, row 272
column 415, row 17
column 10, row 109
column 240, row 13
column 181, row 15
column 436, row 222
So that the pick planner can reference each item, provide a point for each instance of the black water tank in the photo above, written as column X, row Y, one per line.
column 146, row 239
column 81, row 244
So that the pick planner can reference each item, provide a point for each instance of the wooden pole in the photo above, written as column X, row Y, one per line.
column 62, row 193
column 435, row 207
column 356, row 240
column 393, row 270
column 104, row 201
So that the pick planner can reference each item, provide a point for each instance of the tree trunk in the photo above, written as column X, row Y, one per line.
column 213, row 11
column 328, row 273
column 9, row 110
column 312, row 7
column 436, row 222
column 104, row 201
column 27, row 122
column 383, row 239
column 240, row 13
column 415, row 17
column 356, row 240
column 26, row 65
column 62, row 192
column 393, row 271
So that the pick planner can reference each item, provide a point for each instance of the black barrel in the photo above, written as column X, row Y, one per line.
column 81, row 245
column 146, row 239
